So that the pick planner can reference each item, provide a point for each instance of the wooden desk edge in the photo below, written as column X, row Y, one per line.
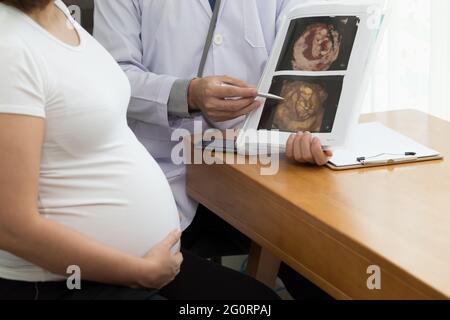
column 422, row 290
column 417, row 285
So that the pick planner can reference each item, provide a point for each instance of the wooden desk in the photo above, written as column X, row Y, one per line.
column 331, row 226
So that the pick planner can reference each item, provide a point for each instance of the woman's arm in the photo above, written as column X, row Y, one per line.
column 26, row 234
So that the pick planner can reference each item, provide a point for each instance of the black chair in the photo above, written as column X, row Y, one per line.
column 84, row 11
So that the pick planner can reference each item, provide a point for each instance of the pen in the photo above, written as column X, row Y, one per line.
column 409, row 157
column 270, row 96
column 389, row 161
column 259, row 94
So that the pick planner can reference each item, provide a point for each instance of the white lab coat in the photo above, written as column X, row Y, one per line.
column 159, row 41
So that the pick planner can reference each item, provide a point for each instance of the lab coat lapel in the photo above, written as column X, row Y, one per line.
column 222, row 6
column 205, row 4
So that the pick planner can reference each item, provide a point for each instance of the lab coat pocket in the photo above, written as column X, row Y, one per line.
column 252, row 25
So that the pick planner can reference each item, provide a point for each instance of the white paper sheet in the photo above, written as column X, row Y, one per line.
column 374, row 140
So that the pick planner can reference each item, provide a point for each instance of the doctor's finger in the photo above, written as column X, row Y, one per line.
column 235, row 82
column 255, row 105
column 231, row 92
column 220, row 115
column 223, row 110
column 233, row 105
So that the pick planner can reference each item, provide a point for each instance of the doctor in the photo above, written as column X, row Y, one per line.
column 160, row 43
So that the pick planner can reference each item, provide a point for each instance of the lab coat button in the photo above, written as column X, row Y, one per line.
column 218, row 39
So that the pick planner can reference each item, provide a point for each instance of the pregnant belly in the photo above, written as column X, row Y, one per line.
column 128, row 228
column 128, row 211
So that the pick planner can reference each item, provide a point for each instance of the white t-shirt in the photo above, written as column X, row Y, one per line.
column 95, row 176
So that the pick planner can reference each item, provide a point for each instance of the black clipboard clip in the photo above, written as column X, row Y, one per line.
column 405, row 157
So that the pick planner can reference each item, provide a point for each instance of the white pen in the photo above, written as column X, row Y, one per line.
column 389, row 161
column 259, row 94
column 270, row 96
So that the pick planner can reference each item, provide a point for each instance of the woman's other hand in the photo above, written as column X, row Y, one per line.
column 161, row 264
column 304, row 148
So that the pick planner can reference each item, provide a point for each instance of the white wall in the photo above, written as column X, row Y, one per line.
column 413, row 68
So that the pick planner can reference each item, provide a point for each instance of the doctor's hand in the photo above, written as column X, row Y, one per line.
column 161, row 265
column 210, row 96
column 304, row 148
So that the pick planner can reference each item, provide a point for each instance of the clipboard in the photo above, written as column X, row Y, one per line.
column 374, row 145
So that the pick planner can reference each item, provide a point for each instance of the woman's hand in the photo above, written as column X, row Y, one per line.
column 304, row 148
column 161, row 266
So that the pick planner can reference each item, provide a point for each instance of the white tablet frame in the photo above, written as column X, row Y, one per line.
column 356, row 77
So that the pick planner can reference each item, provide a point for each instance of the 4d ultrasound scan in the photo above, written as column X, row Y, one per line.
column 310, row 104
column 319, row 44
column 313, row 45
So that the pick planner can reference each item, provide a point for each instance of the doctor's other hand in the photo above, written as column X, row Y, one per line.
column 161, row 265
column 222, row 98
column 304, row 148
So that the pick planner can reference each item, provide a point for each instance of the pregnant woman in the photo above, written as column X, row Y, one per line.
column 76, row 187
